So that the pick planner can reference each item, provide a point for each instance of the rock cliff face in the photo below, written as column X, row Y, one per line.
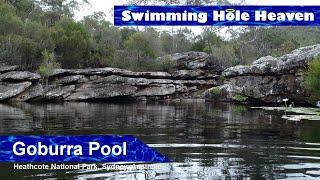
column 193, row 77
column 268, row 79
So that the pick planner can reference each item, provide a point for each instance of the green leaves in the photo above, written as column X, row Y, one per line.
column 10, row 23
column 312, row 77
column 48, row 65
column 72, row 43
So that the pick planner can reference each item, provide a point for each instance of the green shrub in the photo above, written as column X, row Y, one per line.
column 72, row 43
column 225, row 55
column 48, row 66
column 215, row 91
column 239, row 98
column 312, row 77
column 222, row 79
column 166, row 64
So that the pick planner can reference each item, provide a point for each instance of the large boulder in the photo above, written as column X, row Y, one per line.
column 269, row 79
column 196, row 60
column 9, row 90
column 267, row 89
column 271, row 66
column 191, row 60
column 104, row 88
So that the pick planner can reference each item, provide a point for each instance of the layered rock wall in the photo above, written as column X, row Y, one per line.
column 193, row 77
column 266, row 80
column 269, row 79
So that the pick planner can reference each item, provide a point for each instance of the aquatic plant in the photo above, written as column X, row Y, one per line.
column 240, row 110
column 286, row 105
column 300, row 113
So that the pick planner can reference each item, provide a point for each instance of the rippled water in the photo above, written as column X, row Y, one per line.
column 203, row 140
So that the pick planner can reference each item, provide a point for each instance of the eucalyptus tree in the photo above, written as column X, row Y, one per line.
column 55, row 9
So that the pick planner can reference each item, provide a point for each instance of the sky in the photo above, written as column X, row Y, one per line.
column 106, row 6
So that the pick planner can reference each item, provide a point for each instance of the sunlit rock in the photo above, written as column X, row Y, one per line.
column 9, row 90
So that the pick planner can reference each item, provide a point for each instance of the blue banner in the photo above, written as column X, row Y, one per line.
column 217, row 15
column 105, row 148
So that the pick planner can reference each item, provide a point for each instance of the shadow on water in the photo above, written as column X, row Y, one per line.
column 204, row 140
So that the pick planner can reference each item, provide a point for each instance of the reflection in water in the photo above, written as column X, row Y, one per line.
column 204, row 140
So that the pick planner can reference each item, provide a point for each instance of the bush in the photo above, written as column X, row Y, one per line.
column 123, row 60
column 10, row 23
column 9, row 50
column 166, row 64
column 72, row 43
column 312, row 77
column 239, row 98
column 215, row 91
column 48, row 66
column 225, row 55
column 19, row 50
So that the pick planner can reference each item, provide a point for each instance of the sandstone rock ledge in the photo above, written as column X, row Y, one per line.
column 266, row 80
column 269, row 79
column 110, row 83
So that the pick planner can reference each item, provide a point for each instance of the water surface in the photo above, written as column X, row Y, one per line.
column 204, row 140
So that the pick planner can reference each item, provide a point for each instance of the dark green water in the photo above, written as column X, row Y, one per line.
column 204, row 140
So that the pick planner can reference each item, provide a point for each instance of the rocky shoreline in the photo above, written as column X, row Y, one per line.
column 266, row 80
column 107, row 83
column 270, row 80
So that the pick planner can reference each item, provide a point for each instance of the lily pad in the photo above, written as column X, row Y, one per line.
column 300, row 113
column 301, row 117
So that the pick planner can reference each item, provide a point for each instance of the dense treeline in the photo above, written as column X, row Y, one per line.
column 31, row 31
